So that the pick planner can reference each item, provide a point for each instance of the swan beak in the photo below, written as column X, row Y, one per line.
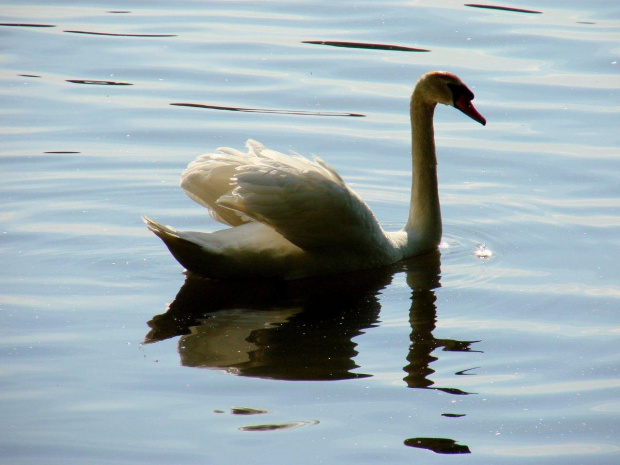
column 464, row 104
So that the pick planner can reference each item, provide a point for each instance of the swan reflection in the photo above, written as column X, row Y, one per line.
column 301, row 330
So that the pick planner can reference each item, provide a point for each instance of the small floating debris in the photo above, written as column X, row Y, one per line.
column 120, row 35
column 398, row 48
column 266, row 110
column 438, row 445
column 453, row 415
column 482, row 252
column 98, row 83
column 30, row 75
column 279, row 426
column 119, row 12
column 26, row 25
column 503, row 8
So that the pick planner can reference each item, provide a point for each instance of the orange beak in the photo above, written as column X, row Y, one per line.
column 464, row 104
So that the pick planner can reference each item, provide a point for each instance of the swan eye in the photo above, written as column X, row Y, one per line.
column 460, row 93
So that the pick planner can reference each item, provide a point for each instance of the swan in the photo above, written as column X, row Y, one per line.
column 291, row 217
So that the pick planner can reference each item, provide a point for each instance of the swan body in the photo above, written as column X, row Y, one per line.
column 291, row 217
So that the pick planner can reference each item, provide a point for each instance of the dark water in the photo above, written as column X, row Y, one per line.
column 501, row 348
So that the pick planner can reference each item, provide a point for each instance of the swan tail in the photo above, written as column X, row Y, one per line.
column 159, row 229
column 191, row 255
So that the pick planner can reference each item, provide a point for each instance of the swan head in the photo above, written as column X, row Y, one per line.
column 448, row 89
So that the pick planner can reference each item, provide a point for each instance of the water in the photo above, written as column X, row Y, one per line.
column 498, row 353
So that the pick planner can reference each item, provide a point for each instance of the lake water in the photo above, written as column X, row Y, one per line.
column 501, row 348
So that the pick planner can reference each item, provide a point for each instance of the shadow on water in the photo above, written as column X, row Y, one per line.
column 304, row 330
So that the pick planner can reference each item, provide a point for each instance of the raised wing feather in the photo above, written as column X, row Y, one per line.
column 305, row 201
column 209, row 177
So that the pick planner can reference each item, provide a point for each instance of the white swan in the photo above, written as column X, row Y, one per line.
column 292, row 218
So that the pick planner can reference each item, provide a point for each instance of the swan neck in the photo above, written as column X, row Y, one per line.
column 424, row 223
column 422, row 132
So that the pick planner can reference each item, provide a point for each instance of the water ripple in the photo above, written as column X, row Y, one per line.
column 265, row 110
column 398, row 48
column 503, row 8
column 119, row 34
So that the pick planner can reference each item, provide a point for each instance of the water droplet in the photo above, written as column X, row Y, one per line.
column 482, row 252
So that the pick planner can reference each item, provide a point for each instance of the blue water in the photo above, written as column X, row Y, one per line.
column 502, row 348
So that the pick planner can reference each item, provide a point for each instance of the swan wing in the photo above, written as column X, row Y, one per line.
column 209, row 177
column 305, row 201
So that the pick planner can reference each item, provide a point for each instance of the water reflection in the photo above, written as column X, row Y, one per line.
column 423, row 319
column 301, row 330
column 438, row 445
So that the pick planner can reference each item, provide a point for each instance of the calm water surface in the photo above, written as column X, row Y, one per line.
column 501, row 348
